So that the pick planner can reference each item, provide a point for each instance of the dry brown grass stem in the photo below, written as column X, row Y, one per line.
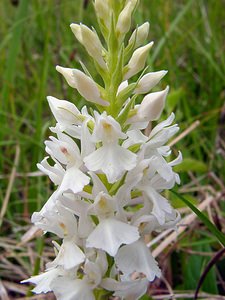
column 3, row 292
column 184, row 133
column 217, row 180
column 185, row 222
column 168, row 286
column 23, row 175
column 32, row 232
column 204, row 189
column 201, row 296
column 15, row 287
column 10, row 184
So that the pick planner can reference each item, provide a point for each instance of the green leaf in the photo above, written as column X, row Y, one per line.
column 190, row 164
column 193, row 267
column 212, row 228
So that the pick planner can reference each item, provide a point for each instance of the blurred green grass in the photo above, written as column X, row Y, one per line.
column 35, row 37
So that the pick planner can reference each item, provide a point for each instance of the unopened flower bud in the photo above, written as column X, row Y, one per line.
column 124, row 20
column 152, row 105
column 90, row 40
column 68, row 75
column 148, row 81
column 83, row 83
column 65, row 112
column 88, row 88
column 102, row 10
column 139, row 35
column 137, row 61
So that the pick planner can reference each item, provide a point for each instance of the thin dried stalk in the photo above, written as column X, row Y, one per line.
column 170, row 290
column 15, row 287
column 10, row 184
column 3, row 292
column 28, row 174
column 184, row 133
column 201, row 296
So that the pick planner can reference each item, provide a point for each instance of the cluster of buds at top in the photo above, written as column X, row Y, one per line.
column 109, row 174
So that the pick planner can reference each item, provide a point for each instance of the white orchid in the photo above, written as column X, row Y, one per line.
column 110, row 176
column 111, row 158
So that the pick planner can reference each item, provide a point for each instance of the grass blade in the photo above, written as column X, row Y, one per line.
column 171, row 29
column 14, row 50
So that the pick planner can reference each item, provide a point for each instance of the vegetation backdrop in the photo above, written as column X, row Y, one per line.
column 189, row 42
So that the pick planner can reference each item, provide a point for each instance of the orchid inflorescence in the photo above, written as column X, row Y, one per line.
column 109, row 174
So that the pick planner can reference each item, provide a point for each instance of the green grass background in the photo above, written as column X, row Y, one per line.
column 189, row 42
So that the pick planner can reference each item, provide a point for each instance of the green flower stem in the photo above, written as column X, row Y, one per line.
column 115, row 67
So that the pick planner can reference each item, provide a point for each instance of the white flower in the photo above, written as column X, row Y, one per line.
column 139, row 35
column 55, row 173
column 65, row 112
column 66, row 151
column 56, row 219
column 110, row 234
column 87, row 146
column 152, row 105
column 124, row 19
column 84, row 84
column 150, row 108
column 90, row 40
column 80, row 208
column 69, row 256
column 122, row 86
column 128, row 290
column 111, row 158
column 110, row 176
column 160, row 204
column 147, row 222
column 103, row 207
column 103, row 10
column 72, row 289
column 44, row 280
column 68, row 75
column 137, row 61
column 73, row 181
column 148, row 81
column 136, row 257
column 67, row 115
column 68, row 288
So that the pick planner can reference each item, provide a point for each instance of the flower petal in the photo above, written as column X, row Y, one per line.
column 161, row 205
column 74, row 180
column 127, row 290
column 69, row 289
column 69, row 256
column 148, row 81
column 43, row 280
column 113, row 160
column 136, row 257
column 110, row 234
column 65, row 112
column 152, row 105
